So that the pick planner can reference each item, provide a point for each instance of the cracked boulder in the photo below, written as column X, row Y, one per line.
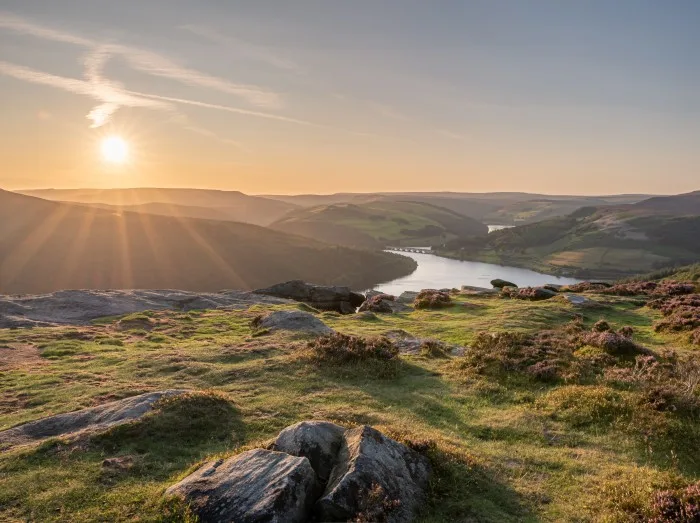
column 369, row 460
column 254, row 487
column 318, row 441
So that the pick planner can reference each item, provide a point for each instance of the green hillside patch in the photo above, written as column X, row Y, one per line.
column 380, row 223
column 604, row 243
column 530, row 423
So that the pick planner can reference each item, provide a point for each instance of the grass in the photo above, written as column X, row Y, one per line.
column 507, row 446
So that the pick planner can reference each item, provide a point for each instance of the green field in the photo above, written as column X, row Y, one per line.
column 380, row 223
column 581, row 447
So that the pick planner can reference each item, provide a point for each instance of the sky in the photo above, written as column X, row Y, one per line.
column 319, row 96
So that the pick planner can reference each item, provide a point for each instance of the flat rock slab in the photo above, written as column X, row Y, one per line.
column 92, row 419
column 80, row 307
column 298, row 321
column 367, row 459
column 254, row 487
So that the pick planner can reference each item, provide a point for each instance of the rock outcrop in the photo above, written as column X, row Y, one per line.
column 499, row 283
column 383, row 303
column 340, row 299
column 318, row 441
column 317, row 471
column 299, row 321
column 368, row 458
column 254, row 487
column 92, row 419
column 407, row 297
column 82, row 306
column 528, row 293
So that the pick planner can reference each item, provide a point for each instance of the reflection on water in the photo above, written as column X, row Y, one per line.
column 434, row 272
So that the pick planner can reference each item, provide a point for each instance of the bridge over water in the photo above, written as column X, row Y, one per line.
column 427, row 250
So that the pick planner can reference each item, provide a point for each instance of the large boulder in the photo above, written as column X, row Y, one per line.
column 93, row 419
column 383, row 303
column 499, row 283
column 340, row 299
column 407, row 297
column 369, row 460
column 254, row 487
column 318, row 441
column 299, row 321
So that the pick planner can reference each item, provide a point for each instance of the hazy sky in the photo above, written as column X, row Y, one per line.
column 586, row 96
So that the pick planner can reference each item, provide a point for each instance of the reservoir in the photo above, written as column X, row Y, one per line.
column 434, row 272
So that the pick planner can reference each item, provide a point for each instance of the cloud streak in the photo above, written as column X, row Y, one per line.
column 246, row 49
column 148, row 62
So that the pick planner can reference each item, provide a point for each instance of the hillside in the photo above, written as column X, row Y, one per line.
column 680, row 204
column 501, row 208
column 47, row 246
column 605, row 242
column 182, row 203
column 529, row 411
column 380, row 223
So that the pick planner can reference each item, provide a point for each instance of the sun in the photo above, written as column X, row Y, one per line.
column 114, row 149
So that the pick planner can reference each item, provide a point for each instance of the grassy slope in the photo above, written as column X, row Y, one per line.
column 510, row 458
column 598, row 243
column 380, row 223
column 47, row 246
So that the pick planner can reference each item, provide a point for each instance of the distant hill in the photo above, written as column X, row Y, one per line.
column 380, row 223
column 47, row 246
column 501, row 208
column 183, row 203
column 680, row 204
column 603, row 242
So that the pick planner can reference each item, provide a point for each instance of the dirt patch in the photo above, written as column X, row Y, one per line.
column 18, row 355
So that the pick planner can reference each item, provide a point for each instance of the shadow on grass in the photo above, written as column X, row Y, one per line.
column 461, row 488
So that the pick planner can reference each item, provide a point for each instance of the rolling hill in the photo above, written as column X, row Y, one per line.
column 182, row 203
column 47, row 246
column 601, row 242
column 501, row 208
column 380, row 223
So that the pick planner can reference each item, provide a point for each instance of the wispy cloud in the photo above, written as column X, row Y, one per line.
column 246, row 49
column 110, row 95
column 147, row 62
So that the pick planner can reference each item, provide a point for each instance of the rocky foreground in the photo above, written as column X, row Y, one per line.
column 308, row 403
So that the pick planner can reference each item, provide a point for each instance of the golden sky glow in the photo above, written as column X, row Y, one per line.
column 356, row 97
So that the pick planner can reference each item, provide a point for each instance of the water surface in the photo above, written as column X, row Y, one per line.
column 434, row 272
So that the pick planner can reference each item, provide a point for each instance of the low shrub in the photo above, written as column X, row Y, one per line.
column 651, row 288
column 433, row 349
column 680, row 505
column 342, row 348
column 601, row 326
column 626, row 331
column 544, row 356
column 375, row 506
column 667, row 501
column 432, row 299
column 612, row 342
